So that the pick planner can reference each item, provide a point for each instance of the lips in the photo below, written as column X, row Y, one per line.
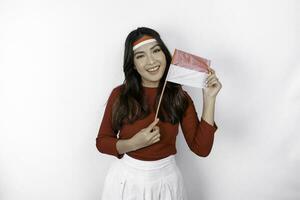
column 153, row 69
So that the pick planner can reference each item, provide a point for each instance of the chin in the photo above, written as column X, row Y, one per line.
column 156, row 78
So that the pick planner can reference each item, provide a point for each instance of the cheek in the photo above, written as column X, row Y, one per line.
column 139, row 64
column 161, row 57
column 162, row 61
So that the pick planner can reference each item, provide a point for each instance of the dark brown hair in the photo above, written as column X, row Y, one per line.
column 130, row 104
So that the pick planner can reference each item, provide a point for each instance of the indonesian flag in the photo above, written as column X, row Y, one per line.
column 188, row 69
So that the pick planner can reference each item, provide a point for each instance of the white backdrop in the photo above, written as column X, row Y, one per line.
column 60, row 60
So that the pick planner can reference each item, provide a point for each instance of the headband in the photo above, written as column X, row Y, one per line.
column 143, row 40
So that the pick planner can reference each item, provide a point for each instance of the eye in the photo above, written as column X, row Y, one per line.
column 137, row 57
column 157, row 50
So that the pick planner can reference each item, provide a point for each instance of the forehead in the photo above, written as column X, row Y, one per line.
column 146, row 47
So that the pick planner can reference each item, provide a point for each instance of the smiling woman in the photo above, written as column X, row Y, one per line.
column 150, row 62
column 144, row 52
column 146, row 167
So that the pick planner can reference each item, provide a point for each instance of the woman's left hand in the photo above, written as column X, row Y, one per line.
column 213, row 85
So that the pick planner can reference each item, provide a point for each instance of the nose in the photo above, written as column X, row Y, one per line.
column 151, row 60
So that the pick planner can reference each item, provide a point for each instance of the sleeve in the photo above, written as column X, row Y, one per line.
column 107, row 138
column 198, row 135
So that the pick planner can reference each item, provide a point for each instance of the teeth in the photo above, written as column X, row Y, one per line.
column 153, row 69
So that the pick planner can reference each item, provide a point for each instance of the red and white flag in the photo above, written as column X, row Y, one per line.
column 188, row 69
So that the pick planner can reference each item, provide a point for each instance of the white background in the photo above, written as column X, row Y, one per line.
column 60, row 59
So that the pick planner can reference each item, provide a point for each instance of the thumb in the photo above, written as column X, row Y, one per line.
column 150, row 127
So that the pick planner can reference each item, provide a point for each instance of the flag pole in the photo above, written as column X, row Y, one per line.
column 162, row 93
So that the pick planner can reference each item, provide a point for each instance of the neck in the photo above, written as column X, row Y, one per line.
column 150, row 84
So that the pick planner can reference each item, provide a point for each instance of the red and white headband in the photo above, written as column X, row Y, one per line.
column 143, row 40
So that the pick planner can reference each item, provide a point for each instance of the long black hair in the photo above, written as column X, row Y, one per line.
column 130, row 104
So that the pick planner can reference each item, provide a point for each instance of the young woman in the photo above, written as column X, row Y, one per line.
column 146, row 167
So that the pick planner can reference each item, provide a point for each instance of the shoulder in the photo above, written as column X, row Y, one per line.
column 117, row 90
column 114, row 94
column 187, row 96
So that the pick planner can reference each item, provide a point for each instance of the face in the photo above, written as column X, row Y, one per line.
column 150, row 62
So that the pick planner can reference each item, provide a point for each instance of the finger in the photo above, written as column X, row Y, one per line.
column 156, row 138
column 154, row 133
column 212, row 83
column 150, row 127
column 157, row 135
column 155, row 128
column 210, row 77
column 212, row 72
column 155, row 141
column 211, row 69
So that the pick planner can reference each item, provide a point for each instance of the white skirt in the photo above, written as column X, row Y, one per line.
column 132, row 179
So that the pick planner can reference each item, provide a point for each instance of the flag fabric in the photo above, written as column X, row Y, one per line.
column 188, row 69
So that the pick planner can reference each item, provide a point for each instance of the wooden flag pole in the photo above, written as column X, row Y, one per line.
column 162, row 93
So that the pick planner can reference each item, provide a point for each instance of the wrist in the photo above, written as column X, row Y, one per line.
column 209, row 99
column 124, row 146
column 131, row 144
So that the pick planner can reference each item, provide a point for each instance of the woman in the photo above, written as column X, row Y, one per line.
column 146, row 166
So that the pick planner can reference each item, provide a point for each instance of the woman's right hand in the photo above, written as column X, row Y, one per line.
column 146, row 136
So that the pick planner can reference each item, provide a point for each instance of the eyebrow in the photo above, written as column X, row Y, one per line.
column 150, row 48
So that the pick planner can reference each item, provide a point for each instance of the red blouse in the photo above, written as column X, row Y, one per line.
column 198, row 135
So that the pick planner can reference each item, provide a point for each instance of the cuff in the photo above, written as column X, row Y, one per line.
column 107, row 145
column 115, row 151
column 208, row 127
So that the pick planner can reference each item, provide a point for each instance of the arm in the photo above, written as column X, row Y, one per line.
column 209, row 109
column 106, row 141
column 199, row 135
column 210, row 91
column 124, row 146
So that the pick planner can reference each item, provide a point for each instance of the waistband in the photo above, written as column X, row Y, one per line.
column 148, row 165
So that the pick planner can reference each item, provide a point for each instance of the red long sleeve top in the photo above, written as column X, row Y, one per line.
column 199, row 135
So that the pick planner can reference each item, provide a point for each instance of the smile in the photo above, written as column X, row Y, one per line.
column 153, row 69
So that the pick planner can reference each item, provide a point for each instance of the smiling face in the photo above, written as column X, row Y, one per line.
column 150, row 63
